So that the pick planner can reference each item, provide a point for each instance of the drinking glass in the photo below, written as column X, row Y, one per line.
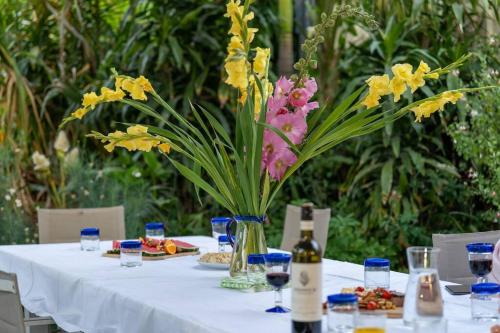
column 368, row 322
column 480, row 260
column 277, row 275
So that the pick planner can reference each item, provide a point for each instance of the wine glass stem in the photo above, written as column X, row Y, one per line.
column 482, row 279
column 278, row 298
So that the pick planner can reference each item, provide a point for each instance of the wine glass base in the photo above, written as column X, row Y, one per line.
column 278, row 309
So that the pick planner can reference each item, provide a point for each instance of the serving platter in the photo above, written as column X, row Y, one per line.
column 156, row 257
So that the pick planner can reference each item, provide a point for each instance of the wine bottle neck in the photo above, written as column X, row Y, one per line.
column 306, row 229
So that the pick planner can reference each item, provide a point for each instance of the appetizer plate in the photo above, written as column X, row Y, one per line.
column 211, row 265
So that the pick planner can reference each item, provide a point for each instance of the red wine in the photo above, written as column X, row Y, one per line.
column 277, row 280
column 481, row 267
column 306, row 278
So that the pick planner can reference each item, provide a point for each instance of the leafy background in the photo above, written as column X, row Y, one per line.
column 388, row 190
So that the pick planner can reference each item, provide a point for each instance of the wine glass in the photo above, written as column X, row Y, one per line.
column 480, row 260
column 277, row 275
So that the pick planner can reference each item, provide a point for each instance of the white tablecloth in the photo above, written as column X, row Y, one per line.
column 87, row 292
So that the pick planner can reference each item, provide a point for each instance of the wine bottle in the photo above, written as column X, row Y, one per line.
column 306, row 278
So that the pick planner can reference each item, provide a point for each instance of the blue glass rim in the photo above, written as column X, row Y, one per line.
column 220, row 219
column 377, row 262
column 89, row 232
column 487, row 288
column 131, row 244
column 250, row 218
column 480, row 247
column 154, row 225
column 277, row 257
column 342, row 299
column 256, row 259
column 223, row 239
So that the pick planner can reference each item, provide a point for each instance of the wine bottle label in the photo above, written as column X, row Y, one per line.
column 306, row 292
column 307, row 225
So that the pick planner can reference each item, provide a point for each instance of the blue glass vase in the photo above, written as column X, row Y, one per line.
column 249, row 239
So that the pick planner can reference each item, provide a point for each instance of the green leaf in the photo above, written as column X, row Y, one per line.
column 386, row 177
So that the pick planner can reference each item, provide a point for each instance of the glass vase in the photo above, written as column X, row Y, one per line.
column 249, row 239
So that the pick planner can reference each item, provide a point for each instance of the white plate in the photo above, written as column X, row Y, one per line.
column 214, row 265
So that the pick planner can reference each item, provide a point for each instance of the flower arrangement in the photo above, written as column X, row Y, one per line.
column 278, row 128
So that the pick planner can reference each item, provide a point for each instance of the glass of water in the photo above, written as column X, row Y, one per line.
column 219, row 226
column 89, row 239
column 377, row 273
column 131, row 253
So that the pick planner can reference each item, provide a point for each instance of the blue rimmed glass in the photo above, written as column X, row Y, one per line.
column 480, row 260
column 219, row 225
column 89, row 239
column 224, row 245
column 277, row 275
column 155, row 230
column 484, row 301
column 377, row 273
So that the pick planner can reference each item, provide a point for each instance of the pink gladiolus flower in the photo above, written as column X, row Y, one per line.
column 283, row 86
column 298, row 97
column 281, row 162
column 304, row 110
column 272, row 144
column 292, row 124
column 276, row 103
column 311, row 86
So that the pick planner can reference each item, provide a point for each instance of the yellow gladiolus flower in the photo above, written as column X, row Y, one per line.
column 144, row 83
column 251, row 34
column 91, row 100
column 417, row 79
column 425, row 109
column 2, row 136
column 261, row 60
column 379, row 86
column 397, row 87
column 235, row 12
column 136, row 138
column 164, row 148
column 135, row 90
column 80, row 113
column 402, row 74
column 235, row 45
column 237, row 73
column 402, row 71
column 371, row 100
column 137, row 130
column 110, row 95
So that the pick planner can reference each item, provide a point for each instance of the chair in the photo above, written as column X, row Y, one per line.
column 291, row 234
column 63, row 225
column 13, row 319
column 453, row 264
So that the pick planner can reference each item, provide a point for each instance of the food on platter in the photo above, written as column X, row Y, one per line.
column 216, row 258
column 157, row 248
column 376, row 299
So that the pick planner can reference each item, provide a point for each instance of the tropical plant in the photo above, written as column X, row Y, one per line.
column 476, row 136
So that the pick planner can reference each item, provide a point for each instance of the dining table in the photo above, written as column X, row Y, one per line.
column 84, row 291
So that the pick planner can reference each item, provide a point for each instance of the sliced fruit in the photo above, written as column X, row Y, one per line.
column 116, row 245
column 184, row 247
column 170, row 247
